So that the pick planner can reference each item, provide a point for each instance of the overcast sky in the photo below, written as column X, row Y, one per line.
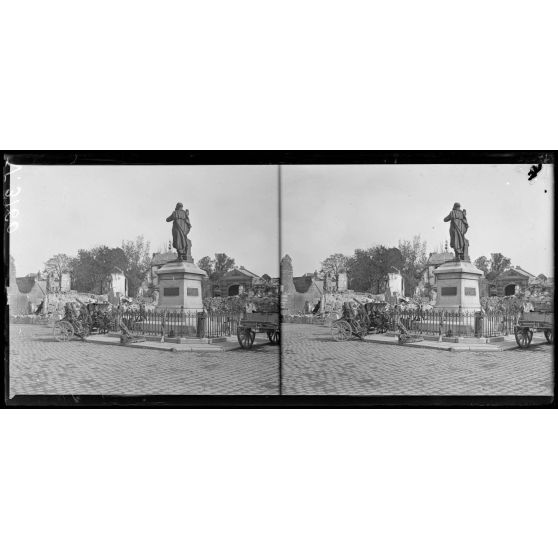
column 329, row 209
column 233, row 209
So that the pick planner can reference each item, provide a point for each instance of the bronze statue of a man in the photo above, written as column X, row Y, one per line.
column 458, row 228
column 180, row 228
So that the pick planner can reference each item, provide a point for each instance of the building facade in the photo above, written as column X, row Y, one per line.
column 513, row 281
column 235, row 282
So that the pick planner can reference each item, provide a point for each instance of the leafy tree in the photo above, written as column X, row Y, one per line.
column 359, row 270
column 368, row 269
column 414, row 259
column 493, row 267
column 106, row 259
column 207, row 264
column 222, row 264
column 498, row 264
column 138, row 262
column 57, row 266
column 91, row 268
column 384, row 261
column 333, row 265
column 483, row 263
column 82, row 271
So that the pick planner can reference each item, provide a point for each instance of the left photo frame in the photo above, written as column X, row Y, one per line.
column 135, row 282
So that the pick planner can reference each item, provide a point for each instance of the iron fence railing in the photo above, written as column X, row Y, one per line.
column 178, row 324
column 454, row 324
column 222, row 324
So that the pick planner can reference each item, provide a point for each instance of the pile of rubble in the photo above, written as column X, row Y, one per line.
column 334, row 301
column 242, row 303
column 516, row 303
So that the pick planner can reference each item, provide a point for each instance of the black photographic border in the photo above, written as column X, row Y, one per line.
column 51, row 157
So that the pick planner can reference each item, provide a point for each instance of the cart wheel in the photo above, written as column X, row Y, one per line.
column 273, row 337
column 246, row 337
column 340, row 330
column 549, row 334
column 523, row 337
column 63, row 331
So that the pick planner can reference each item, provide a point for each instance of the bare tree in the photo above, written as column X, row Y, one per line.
column 57, row 266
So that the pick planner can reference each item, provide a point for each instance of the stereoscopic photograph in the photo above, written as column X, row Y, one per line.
column 360, row 280
column 141, row 280
column 417, row 280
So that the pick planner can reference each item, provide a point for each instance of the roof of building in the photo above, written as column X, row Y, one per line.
column 161, row 259
column 521, row 270
column 516, row 271
column 303, row 284
column 247, row 271
column 237, row 271
column 25, row 284
column 438, row 258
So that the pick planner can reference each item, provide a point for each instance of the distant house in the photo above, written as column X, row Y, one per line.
column 342, row 282
column 58, row 284
column 157, row 261
column 237, row 281
column 117, row 284
column 435, row 260
column 395, row 285
column 513, row 280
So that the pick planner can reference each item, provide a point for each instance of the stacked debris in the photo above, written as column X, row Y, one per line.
column 516, row 303
column 242, row 303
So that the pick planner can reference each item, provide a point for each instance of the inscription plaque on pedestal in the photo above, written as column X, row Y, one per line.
column 171, row 291
column 449, row 291
column 470, row 291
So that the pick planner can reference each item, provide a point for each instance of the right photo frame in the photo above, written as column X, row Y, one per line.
column 421, row 280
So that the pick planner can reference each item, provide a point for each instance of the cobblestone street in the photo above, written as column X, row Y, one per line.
column 314, row 364
column 40, row 365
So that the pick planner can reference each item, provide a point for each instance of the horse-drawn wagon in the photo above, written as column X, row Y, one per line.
column 81, row 320
column 359, row 319
column 75, row 323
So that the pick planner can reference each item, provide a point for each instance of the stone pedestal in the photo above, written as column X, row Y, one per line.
column 457, row 287
column 180, row 286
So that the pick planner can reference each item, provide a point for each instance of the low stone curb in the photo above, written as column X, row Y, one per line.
column 222, row 346
column 155, row 346
column 452, row 346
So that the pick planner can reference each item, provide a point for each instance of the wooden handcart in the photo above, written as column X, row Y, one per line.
column 532, row 322
column 258, row 322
